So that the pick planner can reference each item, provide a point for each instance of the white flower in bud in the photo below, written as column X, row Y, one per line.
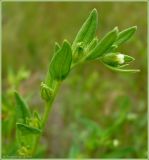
column 120, row 58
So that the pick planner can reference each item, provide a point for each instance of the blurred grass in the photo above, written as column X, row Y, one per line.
column 93, row 99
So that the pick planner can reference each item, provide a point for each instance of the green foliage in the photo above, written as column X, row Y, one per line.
column 88, row 30
column 85, row 47
column 92, row 45
column 122, row 70
column 25, row 129
column 125, row 35
column 26, row 134
column 22, row 110
column 28, row 126
column 103, row 45
column 89, row 48
column 60, row 64
column 92, row 139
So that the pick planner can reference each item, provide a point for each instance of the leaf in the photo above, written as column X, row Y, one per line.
column 92, row 45
column 61, row 62
column 111, row 49
column 25, row 129
column 122, row 70
column 22, row 109
column 88, row 29
column 125, row 35
column 103, row 45
column 121, row 66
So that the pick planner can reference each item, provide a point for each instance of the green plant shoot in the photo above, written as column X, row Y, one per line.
column 85, row 47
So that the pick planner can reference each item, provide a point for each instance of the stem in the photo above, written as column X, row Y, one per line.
column 48, row 106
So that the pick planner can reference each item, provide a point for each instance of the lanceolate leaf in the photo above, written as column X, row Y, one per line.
column 122, row 66
column 92, row 45
column 103, row 45
column 111, row 49
column 122, row 70
column 125, row 35
column 60, row 64
column 88, row 29
column 22, row 109
column 25, row 129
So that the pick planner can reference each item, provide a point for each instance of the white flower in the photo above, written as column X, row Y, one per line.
column 120, row 58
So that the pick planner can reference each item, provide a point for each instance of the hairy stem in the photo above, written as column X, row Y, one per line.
column 48, row 106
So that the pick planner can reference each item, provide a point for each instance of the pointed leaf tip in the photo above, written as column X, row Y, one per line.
column 94, row 11
column 134, row 27
column 88, row 29
column 66, row 43
column 116, row 29
column 22, row 109
column 125, row 35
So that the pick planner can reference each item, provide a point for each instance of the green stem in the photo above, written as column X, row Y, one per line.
column 48, row 106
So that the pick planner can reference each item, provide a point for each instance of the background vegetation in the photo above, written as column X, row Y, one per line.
column 98, row 113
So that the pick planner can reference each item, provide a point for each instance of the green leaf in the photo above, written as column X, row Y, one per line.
column 61, row 62
column 103, row 45
column 122, row 66
column 88, row 29
column 92, row 45
column 117, row 69
column 25, row 129
column 22, row 109
column 125, row 35
column 111, row 49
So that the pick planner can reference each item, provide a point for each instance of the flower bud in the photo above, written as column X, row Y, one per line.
column 33, row 122
column 116, row 59
column 46, row 92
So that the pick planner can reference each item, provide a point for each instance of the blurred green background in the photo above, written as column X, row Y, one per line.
column 98, row 113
